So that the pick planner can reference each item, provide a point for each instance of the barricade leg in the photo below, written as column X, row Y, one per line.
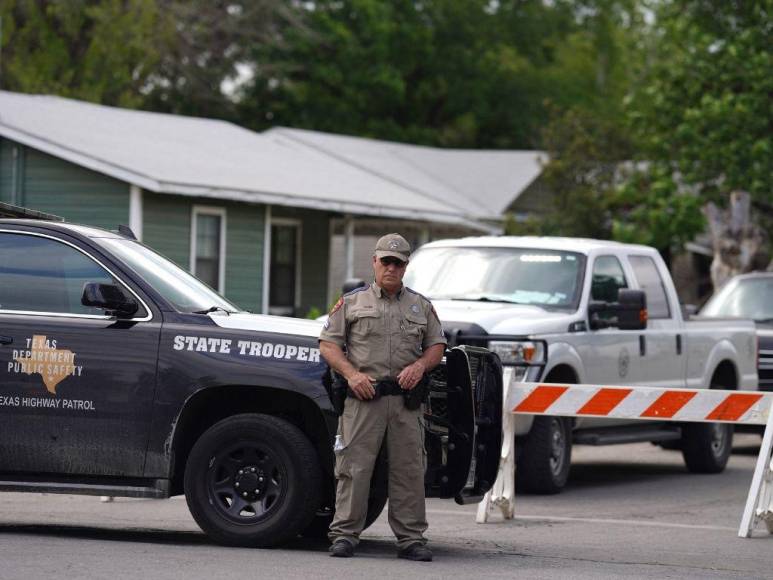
column 759, row 503
column 502, row 493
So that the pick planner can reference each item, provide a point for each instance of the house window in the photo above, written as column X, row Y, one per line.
column 284, row 285
column 208, row 246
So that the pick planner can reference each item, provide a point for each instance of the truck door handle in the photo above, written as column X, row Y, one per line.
column 678, row 344
column 6, row 340
column 642, row 345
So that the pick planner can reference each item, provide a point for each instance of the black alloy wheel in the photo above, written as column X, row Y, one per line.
column 253, row 480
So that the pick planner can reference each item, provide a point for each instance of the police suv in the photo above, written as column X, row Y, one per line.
column 121, row 374
column 566, row 310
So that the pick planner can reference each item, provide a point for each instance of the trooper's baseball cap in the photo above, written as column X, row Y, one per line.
column 393, row 245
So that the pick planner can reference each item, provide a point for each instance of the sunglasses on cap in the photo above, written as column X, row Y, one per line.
column 391, row 261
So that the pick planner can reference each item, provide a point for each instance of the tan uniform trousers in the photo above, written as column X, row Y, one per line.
column 362, row 429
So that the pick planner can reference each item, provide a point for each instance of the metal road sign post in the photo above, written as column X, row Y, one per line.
column 640, row 403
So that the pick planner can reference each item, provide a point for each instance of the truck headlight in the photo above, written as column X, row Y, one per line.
column 520, row 353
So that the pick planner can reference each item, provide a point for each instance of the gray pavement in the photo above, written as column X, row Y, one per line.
column 629, row 512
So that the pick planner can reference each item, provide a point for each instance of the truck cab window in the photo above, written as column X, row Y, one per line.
column 649, row 280
column 44, row 275
column 608, row 278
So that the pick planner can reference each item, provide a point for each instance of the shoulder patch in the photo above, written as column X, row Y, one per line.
column 337, row 306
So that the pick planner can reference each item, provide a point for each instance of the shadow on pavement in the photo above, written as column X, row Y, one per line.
column 150, row 536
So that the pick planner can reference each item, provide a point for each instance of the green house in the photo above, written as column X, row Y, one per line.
column 253, row 215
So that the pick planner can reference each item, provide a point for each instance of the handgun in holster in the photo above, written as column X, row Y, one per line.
column 418, row 394
column 338, row 393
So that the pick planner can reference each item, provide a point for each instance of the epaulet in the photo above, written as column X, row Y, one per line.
column 341, row 299
column 417, row 294
column 358, row 289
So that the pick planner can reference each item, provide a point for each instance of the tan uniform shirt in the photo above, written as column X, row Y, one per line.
column 383, row 335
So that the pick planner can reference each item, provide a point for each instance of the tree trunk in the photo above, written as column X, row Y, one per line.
column 739, row 245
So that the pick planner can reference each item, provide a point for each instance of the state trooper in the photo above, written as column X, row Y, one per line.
column 392, row 337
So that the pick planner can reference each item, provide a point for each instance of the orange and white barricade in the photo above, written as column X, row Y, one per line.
column 645, row 403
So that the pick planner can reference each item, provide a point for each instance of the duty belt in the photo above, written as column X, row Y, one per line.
column 383, row 389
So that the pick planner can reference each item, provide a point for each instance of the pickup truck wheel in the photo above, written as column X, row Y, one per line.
column 252, row 480
column 706, row 447
column 545, row 456
column 320, row 525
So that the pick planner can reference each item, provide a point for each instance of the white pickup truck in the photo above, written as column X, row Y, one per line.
column 565, row 310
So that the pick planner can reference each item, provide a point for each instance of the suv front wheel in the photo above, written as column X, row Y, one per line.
column 253, row 480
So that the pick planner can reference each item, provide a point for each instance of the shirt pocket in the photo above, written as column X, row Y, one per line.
column 414, row 325
column 365, row 322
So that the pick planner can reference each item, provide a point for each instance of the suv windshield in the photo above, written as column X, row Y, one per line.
column 745, row 297
column 181, row 289
column 546, row 278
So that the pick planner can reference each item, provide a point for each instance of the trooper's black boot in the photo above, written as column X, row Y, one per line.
column 342, row 549
column 416, row 552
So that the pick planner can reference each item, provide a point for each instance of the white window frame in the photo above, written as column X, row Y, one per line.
column 217, row 211
column 298, row 253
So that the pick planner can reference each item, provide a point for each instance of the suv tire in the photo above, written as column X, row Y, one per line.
column 253, row 480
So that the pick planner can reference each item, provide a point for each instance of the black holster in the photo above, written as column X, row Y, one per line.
column 338, row 393
column 418, row 394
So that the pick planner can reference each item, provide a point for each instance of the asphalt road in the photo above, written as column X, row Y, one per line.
column 629, row 512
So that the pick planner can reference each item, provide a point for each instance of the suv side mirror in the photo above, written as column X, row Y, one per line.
column 351, row 284
column 110, row 298
column 628, row 313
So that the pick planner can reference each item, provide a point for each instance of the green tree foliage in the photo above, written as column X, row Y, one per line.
column 207, row 52
column 701, row 114
column 101, row 51
column 586, row 152
column 463, row 73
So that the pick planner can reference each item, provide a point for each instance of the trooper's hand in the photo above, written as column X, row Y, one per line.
column 362, row 386
column 410, row 376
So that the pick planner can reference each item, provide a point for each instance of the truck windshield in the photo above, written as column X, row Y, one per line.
column 546, row 278
column 181, row 289
column 743, row 297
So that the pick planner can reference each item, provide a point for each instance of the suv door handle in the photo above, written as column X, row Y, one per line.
column 6, row 340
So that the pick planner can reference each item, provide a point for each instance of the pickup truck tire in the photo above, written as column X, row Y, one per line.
column 545, row 456
column 706, row 447
column 253, row 480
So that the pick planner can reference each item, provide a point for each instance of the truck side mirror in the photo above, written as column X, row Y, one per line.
column 632, row 309
column 351, row 284
column 108, row 297
column 628, row 313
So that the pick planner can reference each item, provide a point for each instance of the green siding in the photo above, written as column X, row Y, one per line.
column 79, row 195
column 167, row 229
column 315, row 255
column 166, row 226
column 6, row 171
column 244, row 259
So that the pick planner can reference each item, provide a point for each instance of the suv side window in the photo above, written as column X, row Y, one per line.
column 608, row 278
column 43, row 275
column 649, row 280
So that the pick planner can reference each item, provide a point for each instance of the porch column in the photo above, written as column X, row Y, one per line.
column 349, row 246
column 135, row 210
column 266, row 259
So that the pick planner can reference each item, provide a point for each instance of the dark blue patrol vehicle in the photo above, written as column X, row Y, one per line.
column 123, row 375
